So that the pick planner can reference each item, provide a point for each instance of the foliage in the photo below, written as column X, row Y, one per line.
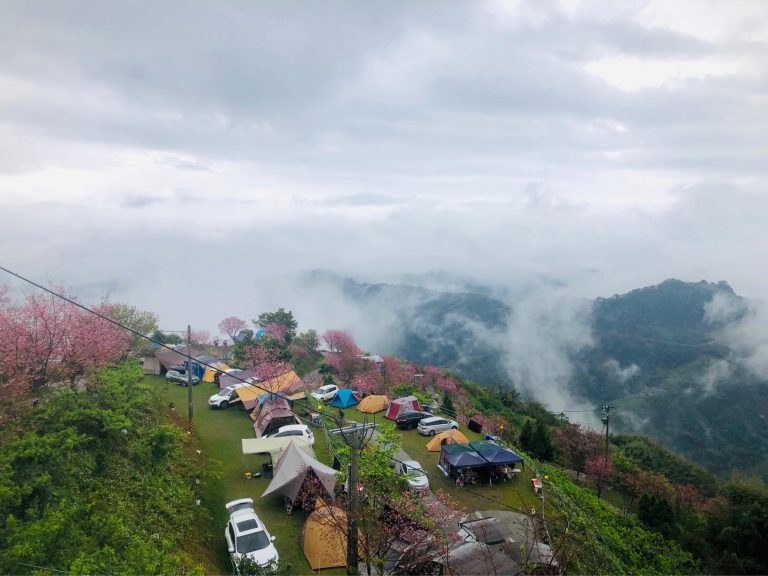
column 140, row 321
column 280, row 317
column 576, row 446
column 345, row 357
column 96, row 483
column 231, row 325
column 45, row 340
column 164, row 338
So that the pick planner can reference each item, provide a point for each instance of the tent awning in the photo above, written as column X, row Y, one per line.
column 274, row 446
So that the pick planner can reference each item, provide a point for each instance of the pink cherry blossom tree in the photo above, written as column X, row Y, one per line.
column 344, row 356
column 231, row 325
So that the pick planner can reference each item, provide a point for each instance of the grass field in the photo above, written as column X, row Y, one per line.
column 219, row 433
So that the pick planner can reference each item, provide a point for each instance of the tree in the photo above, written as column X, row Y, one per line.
column 344, row 357
column 164, row 338
column 201, row 337
column 281, row 317
column 45, row 339
column 231, row 325
column 576, row 445
column 541, row 441
column 141, row 321
column 526, row 435
column 599, row 469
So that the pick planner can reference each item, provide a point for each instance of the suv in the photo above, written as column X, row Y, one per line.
column 225, row 397
column 180, row 377
column 435, row 424
column 327, row 392
column 299, row 430
column 410, row 419
column 247, row 537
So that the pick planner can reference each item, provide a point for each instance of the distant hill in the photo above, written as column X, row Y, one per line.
column 655, row 353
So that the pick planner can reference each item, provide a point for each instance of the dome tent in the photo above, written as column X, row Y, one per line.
column 373, row 404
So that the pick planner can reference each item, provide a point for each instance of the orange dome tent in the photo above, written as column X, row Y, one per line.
column 372, row 404
column 448, row 437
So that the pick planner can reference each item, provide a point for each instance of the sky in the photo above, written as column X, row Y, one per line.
column 184, row 156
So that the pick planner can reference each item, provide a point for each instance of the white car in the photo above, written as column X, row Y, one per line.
column 327, row 392
column 435, row 424
column 414, row 475
column 298, row 430
column 225, row 397
column 247, row 537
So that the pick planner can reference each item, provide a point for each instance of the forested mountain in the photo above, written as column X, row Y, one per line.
column 664, row 356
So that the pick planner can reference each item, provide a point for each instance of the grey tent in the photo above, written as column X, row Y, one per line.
column 291, row 470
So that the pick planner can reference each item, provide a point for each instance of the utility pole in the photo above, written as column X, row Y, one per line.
column 356, row 440
column 606, row 422
column 189, row 379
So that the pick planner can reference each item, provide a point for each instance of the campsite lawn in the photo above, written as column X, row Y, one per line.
column 517, row 494
column 219, row 433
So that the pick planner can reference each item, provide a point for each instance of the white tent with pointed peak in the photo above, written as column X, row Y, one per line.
column 292, row 469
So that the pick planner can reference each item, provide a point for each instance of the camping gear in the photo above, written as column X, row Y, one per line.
column 456, row 458
column 373, row 404
column 406, row 404
column 291, row 470
column 344, row 399
column 447, row 437
column 323, row 538
column 474, row 425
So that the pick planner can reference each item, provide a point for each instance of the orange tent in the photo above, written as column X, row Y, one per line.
column 448, row 437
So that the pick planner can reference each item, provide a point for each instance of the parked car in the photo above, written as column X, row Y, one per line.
column 410, row 419
column 247, row 537
column 180, row 377
column 327, row 392
column 299, row 430
column 414, row 475
column 435, row 424
column 225, row 397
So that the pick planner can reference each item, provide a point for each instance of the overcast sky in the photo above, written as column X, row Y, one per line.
column 182, row 154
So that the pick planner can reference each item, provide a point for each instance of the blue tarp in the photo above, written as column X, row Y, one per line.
column 460, row 456
column 344, row 399
column 495, row 454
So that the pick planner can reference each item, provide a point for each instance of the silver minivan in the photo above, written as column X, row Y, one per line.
column 436, row 424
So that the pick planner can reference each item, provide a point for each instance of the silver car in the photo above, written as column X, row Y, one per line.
column 436, row 424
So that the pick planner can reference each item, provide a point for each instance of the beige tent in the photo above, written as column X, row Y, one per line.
column 292, row 469
column 323, row 538
column 449, row 437
column 371, row 404
column 275, row 446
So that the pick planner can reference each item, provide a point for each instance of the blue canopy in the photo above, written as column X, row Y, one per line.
column 460, row 456
column 344, row 399
column 495, row 454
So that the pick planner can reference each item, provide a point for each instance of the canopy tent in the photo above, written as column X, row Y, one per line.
column 249, row 395
column 406, row 404
column 448, row 437
column 344, row 399
column 292, row 469
column 274, row 446
column 323, row 538
column 495, row 454
column 455, row 456
column 218, row 366
column 272, row 417
column 235, row 377
column 373, row 404
column 168, row 358
column 286, row 383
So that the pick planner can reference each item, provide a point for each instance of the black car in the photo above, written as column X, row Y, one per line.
column 408, row 420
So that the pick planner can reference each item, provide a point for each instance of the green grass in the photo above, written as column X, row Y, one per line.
column 219, row 433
